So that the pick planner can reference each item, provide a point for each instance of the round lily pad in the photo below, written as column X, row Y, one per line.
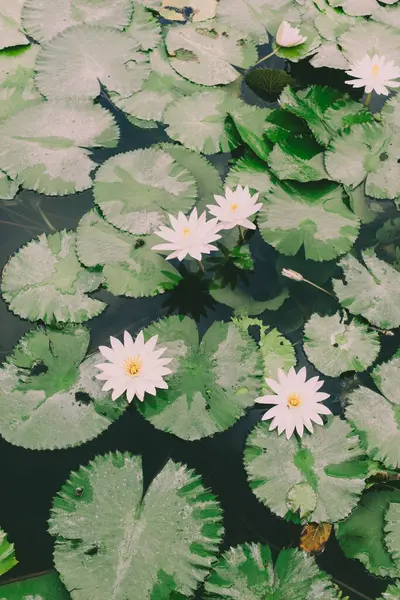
column 207, row 390
column 392, row 532
column 44, row 280
column 49, row 396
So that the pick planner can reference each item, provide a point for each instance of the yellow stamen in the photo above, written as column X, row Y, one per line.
column 186, row 231
column 234, row 207
column 375, row 70
column 132, row 366
column 293, row 400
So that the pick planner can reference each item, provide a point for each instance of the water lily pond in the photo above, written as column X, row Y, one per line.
column 200, row 253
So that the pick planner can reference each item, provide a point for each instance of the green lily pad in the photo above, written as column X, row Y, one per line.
column 250, row 171
column 335, row 347
column 17, row 85
column 151, row 539
column 373, row 38
column 136, row 190
column 248, row 571
column 328, row 461
column 11, row 33
column 250, row 122
column 392, row 592
column 207, row 392
column 7, row 554
column 392, row 532
column 130, row 267
column 277, row 353
column 49, row 396
column 8, row 187
column 144, row 28
column 356, row 8
column 44, row 280
column 369, row 290
column 268, row 83
column 43, row 587
column 299, row 159
column 316, row 218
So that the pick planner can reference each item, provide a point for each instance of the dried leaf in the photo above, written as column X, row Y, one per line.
column 315, row 536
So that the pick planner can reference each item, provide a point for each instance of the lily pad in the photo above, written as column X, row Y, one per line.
column 242, row 303
column 79, row 60
column 392, row 532
column 335, row 347
column 316, row 218
column 392, row 592
column 136, row 190
column 151, row 539
column 130, row 267
column 356, row 8
column 43, row 587
column 49, row 396
column 277, row 353
column 299, row 159
column 248, row 571
column 8, row 187
column 252, row 172
column 328, row 462
column 373, row 38
column 144, row 28
column 7, row 554
column 206, row 52
column 207, row 392
column 46, row 146
column 11, row 33
column 196, row 10
column 44, row 280
column 17, row 84
column 369, row 289
column 268, row 83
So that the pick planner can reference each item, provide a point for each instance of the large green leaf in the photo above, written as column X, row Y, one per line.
column 248, row 572
column 130, row 266
column 44, row 280
column 392, row 533
column 335, row 346
column 250, row 171
column 17, row 86
column 45, row 146
column 250, row 122
column 320, row 475
column 7, row 554
column 268, row 83
column 207, row 391
column 302, row 51
column 44, row 19
column 361, row 536
column 43, row 587
column 276, row 351
column 373, row 38
column 392, row 592
column 314, row 217
column 10, row 24
column 369, row 290
column 49, row 396
column 300, row 159
column 136, row 190
column 375, row 417
column 78, row 60
column 153, row 542
column 206, row 52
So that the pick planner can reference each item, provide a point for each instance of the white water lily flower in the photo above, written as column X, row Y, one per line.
column 289, row 36
column 374, row 74
column 297, row 401
column 191, row 236
column 135, row 367
column 235, row 207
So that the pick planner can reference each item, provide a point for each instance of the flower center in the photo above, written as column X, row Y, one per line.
column 234, row 207
column 186, row 231
column 375, row 70
column 293, row 400
column 132, row 366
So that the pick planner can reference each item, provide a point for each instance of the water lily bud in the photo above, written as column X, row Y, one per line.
column 292, row 274
column 289, row 36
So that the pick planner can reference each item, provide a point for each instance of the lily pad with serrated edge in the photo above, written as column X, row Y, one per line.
column 7, row 554
column 206, row 52
column 250, row 122
column 17, row 86
column 80, row 59
column 44, row 280
column 250, row 171
column 392, row 532
column 268, row 83
column 178, row 521
column 298, row 159
column 369, row 290
column 49, row 395
column 136, row 190
column 11, row 33
column 207, row 392
column 361, row 536
column 130, row 267
column 42, row 587
column 392, row 592
column 144, row 29
column 335, row 347
column 46, row 146
column 248, row 571
column 316, row 218
column 329, row 461
column 373, row 38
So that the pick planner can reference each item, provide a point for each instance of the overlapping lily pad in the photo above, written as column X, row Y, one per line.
column 392, row 532
column 131, row 542
column 49, row 396
column 373, row 37
column 42, row 587
column 44, row 280
column 207, row 392
column 7, row 554
column 144, row 29
column 250, row 171
column 11, row 33
column 321, row 476
column 17, row 85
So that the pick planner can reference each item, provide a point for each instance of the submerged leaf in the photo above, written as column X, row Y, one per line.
column 154, row 541
column 243, row 303
column 268, row 83
column 42, row 587
column 315, row 536
column 7, row 555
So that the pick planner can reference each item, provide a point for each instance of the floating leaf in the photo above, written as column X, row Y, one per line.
column 153, row 541
column 248, row 16
column 392, row 592
column 277, row 352
column 8, row 187
column 78, row 60
column 268, row 83
column 10, row 24
column 17, row 85
column 299, row 159
column 44, row 280
column 198, row 122
column 315, row 536
column 130, row 267
column 252, row 172
column 45, row 146
column 316, row 218
column 250, row 122
column 205, row 52
column 335, row 347
column 44, row 19
column 136, row 190
column 248, row 572
column 144, row 28
column 49, row 396
column 206, row 392
column 42, row 587
column 369, row 290
column 356, row 8
column 327, row 461
column 7, row 555
column 361, row 536
column 392, row 531
column 373, row 38
column 181, row 10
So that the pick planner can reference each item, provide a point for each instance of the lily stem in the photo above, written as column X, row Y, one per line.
column 368, row 99
column 241, row 235
column 268, row 56
column 201, row 266
column 319, row 288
